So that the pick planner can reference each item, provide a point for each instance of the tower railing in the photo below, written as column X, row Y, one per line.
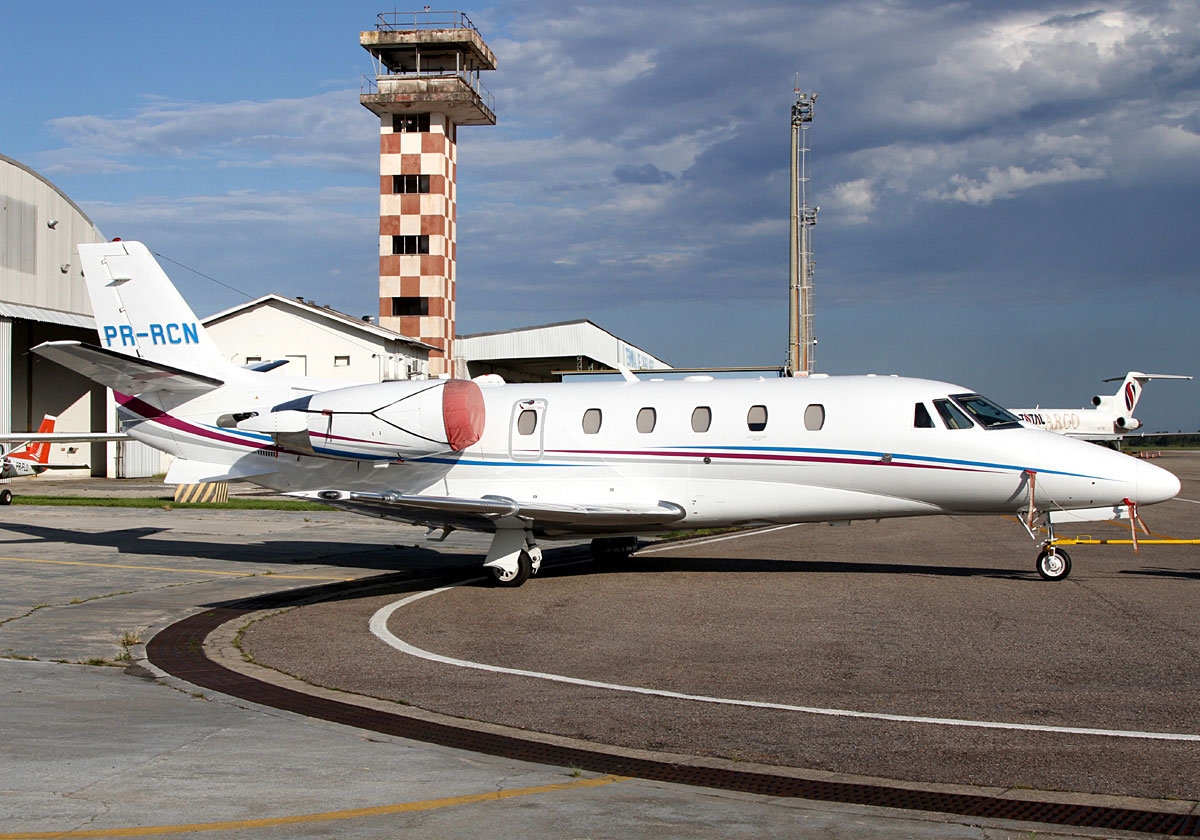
column 370, row 84
column 394, row 21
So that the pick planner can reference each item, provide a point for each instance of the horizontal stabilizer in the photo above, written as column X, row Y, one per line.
column 124, row 374
column 62, row 437
column 199, row 472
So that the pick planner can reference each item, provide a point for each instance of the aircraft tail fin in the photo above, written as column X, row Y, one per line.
column 1126, row 399
column 36, row 452
column 140, row 313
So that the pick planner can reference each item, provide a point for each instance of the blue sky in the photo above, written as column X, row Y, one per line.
column 1009, row 193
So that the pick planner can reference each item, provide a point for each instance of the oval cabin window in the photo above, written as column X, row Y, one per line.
column 756, row 418
column 814, row 417
column 526, row 422
column 645, row 420
column 591, row 421
column 701, row 419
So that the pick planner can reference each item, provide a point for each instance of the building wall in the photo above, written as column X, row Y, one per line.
column 38, row 264
column 314, row 345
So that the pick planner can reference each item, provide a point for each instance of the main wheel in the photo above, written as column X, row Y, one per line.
column 501, row 577
column 613, row 548
column 5, row 496
column 1054, row 564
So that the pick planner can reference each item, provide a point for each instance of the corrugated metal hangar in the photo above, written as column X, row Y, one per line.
column 42, row 298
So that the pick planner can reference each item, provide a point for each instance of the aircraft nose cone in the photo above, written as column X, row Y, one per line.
column 1154, row 484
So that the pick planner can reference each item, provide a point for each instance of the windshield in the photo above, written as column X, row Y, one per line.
column 985, row 412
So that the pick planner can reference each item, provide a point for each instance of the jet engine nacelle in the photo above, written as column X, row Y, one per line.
column 1127, row 423
column 386, row 420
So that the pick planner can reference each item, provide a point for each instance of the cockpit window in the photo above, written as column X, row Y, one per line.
column 951, row 415
column 986, row 413
column 921, row 418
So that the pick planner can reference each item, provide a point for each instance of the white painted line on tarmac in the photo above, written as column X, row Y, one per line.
column 690, row 543
column 1189, row 501
column 379, row 627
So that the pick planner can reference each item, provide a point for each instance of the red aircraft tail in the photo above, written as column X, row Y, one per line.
column 36, row 452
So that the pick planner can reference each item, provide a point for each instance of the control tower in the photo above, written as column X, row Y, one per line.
column 426, row 84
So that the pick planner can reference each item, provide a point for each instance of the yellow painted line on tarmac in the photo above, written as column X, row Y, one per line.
column 325, row 816
column 167, row 569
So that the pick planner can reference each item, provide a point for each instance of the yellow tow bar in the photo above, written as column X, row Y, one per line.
column 1089, row 540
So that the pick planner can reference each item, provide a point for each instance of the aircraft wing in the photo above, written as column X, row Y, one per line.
column 124, row 374
column 479, row 513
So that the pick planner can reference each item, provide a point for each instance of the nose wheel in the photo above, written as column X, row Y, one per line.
column 1053, row 564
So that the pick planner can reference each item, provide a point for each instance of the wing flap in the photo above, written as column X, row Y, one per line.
column 124, row 374
column 441, row 508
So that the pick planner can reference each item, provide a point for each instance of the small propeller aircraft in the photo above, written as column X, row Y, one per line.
column 28, row 459
column 1109, row 419
column 610, row 460
column 32, row 456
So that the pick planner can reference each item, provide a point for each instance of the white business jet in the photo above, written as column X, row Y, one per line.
column 1110, row 418
column 602, row 459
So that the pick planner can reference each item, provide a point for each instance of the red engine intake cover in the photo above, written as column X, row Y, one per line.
column 463, row 413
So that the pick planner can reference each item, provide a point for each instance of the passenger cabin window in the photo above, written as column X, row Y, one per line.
column 921, row 418
column 756, row 418
column 526, row 422
column 645, row 420
column 952, row 416
column 591, row 421
column 701, row 419
column 986, row 413
column 814, row 417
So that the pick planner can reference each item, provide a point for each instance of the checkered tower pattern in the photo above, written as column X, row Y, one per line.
column 411, row 276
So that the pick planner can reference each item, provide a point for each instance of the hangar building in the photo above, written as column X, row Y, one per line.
column 43, row 298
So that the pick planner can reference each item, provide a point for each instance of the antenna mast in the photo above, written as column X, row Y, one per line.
column 801, row 342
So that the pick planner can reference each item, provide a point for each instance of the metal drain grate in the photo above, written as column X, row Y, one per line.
column 179, row 650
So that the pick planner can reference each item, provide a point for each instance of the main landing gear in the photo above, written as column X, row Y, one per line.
column 513, row 558
column 613, row 549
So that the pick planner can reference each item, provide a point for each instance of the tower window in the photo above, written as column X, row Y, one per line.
column 410, row 244
column 410, row 306
column 410, row 123
column 402, row 184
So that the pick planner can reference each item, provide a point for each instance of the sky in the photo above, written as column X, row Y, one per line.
column 1009, row 193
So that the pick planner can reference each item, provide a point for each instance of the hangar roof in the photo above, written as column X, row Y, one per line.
column 311, row 308
column 536, row 353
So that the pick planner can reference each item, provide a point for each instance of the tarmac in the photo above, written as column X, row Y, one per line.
column 98, row 742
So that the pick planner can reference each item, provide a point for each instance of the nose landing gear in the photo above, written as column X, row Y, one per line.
column 1053, row 563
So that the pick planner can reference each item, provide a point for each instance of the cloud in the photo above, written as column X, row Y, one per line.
column 647, row 173
column 1008, row 182
column 329, row 131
